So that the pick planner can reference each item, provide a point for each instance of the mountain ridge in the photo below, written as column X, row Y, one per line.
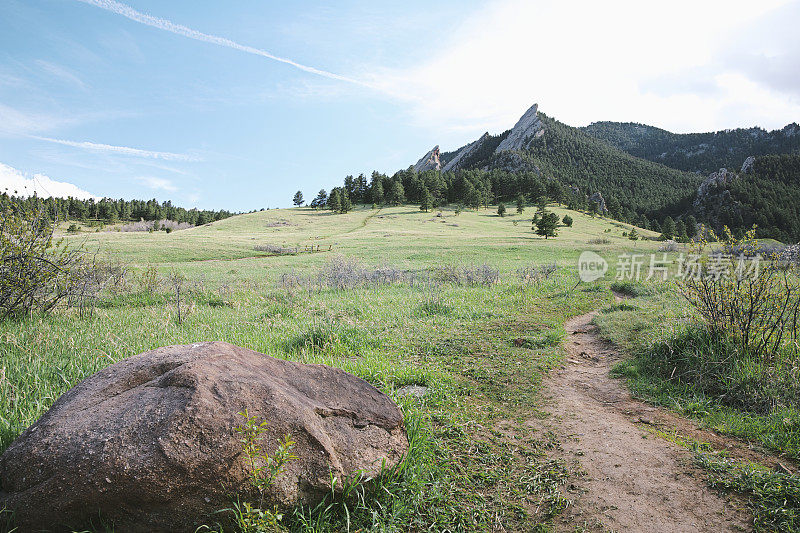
column 703, row 152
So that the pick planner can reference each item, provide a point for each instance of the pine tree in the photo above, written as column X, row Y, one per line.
column 426, row 200
column 377, row 192
column 335, row 201
column 668, row 229
column 691, row 227
column 567, row 220
column 321, row 200
column 474, row 198
column 501, row 209
column 345, row 203
column 633, row 235
column 614, row 207
column 397, row 195
column 680, row 231
column 520, row 204
column 547, row 225
column 298, row 199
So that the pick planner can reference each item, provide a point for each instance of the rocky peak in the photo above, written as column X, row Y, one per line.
column 527, row 127
column 429, row 161
column 464, row 152
column 711, row 183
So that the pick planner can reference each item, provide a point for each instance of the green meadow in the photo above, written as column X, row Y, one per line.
column 470, row 305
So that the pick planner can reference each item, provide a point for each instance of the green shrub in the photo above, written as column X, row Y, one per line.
column 756, row 305
column 36, row 272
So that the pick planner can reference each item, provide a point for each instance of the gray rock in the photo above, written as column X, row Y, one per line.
column 527, row 127
column 747, row 166
column 429, row 161
column 598, row 199
column 464, row 152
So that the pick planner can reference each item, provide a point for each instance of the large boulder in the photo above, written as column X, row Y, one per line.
column 150, row 442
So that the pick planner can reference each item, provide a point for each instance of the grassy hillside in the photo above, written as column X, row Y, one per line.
column 403, row 237
column 460, row 338
column 472, row 306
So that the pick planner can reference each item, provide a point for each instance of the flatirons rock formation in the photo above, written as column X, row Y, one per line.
column 464, row 152
column 429, row 161
column 527, row 127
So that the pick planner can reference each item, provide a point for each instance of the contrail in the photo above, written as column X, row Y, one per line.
column 163, row 24
column 166, row 156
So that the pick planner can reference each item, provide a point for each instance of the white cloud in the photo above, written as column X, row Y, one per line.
column 157, row 183
column 17, row 183
column 61, row 73
column 124, row 150
column 14, row 122
column 166, row 25
column 584, row 61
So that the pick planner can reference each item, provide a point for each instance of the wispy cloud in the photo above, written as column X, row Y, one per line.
column 166, row 25
column 16, row 182
column 60, row 72
column 157, row 183
column 15, row 122
column 125, row 150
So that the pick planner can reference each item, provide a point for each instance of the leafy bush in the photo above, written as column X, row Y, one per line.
column 756, row 303
column 36, row 272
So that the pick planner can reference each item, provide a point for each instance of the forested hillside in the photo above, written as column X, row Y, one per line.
column 610, row 168
column 767, row 196
column 577, row 159
column 696, row 152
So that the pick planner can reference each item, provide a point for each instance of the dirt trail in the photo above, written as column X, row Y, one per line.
column 634, row 480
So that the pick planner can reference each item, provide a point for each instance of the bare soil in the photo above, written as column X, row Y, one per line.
column 631, row 479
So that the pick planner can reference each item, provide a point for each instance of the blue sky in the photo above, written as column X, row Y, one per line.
column 237, row 105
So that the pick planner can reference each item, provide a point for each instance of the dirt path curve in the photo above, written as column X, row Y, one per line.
column 634, row 481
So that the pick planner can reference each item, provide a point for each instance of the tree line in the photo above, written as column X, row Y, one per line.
column 111, row 211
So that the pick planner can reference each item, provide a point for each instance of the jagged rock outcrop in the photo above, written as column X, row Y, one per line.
column 464, row 152
column 597, row 198
column 711, row 184
column 429, row 161
column 527, row 127
column 714, row 202
column 747, row 166
column 150, row 443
